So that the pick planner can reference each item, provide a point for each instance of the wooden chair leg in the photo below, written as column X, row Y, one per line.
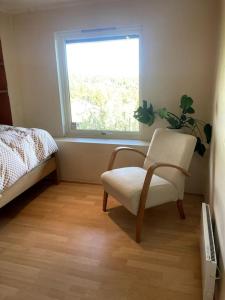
column 139, row 225
column 105, row 198
column 181, row 209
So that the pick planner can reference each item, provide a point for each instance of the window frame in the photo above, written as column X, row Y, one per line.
column 61, row 39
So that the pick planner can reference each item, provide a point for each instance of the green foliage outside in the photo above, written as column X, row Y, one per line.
column 101, row 103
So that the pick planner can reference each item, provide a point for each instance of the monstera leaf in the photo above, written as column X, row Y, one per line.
column 200, row 147
column 172, row 119
column 186, row 104
column 163, row 113
column 174, row 122
column 145, row 114
column 208, row 132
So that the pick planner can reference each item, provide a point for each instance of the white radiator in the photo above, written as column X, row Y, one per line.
column 208, row 254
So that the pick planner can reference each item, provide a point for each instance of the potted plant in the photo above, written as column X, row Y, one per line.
column 146, row 114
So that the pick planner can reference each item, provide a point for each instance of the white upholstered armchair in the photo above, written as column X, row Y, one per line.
column 161, row 179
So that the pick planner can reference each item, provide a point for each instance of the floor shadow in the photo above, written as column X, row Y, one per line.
column 160, row 220
column 14, row 207
column 127, row 222
column 123, row 218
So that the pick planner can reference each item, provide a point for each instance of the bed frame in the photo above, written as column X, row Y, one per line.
column 26, row 181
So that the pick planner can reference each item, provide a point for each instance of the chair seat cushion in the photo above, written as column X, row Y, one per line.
column 126, row 184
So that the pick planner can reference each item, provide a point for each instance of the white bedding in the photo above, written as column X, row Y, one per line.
column 21, row 150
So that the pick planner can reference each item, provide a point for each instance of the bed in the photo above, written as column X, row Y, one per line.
column 26, row 157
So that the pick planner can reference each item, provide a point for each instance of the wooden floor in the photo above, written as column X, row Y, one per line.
column 58, row 244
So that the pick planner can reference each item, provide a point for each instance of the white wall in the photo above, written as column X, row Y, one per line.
column 177, row 57
column 86, row 162
column 177, row 53
column 217, row 170
column 10, row 59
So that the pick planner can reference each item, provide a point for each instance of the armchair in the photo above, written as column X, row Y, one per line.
column 161, row 179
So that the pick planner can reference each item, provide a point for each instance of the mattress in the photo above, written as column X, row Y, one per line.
column 21, row 150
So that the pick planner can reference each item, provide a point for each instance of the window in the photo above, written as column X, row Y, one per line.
column 102, row 83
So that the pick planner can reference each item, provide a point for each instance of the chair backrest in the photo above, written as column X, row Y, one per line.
column 170, row 146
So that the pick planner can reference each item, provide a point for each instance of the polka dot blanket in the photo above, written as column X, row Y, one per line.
column 21, row 150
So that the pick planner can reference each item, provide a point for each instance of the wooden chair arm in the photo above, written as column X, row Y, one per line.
column 118, row 149
column 148, row 179
column 159, row 165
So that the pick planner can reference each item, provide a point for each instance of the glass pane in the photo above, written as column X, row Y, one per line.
column 104, row 83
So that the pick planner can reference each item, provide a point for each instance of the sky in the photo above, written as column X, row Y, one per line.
column 119, row 58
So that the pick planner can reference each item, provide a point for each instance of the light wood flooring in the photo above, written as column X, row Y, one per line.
column 56, row 243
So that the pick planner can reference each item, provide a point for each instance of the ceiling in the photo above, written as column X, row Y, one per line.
column 22, row 6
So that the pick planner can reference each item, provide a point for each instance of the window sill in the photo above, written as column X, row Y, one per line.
column 122, row 142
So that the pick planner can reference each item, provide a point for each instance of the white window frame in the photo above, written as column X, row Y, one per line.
column 61, row 38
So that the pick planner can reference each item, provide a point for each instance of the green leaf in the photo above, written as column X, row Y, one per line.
column 145, row 104
column 151, row 120
column 190, row 110
column 200, row 148
column 150, row 109
column 208, row 132
column 185, row 103
column 145, row 114
column 163, row 113
column 175, row 124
